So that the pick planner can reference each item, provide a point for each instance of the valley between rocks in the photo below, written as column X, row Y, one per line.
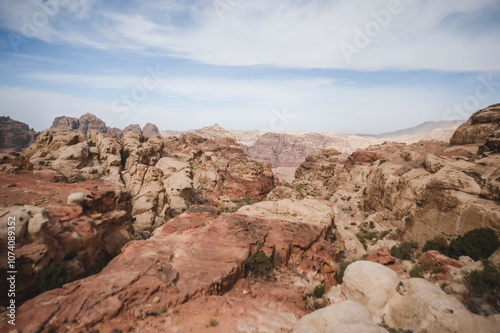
column 188, row 233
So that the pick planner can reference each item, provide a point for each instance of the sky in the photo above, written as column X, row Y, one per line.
column 364, row 66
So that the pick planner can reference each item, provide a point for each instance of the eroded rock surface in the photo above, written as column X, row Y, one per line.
column 14, row 135
column 480, row 126
column 197, row 258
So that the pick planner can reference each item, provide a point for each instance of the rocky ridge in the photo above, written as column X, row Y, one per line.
column 483, row 127
column 14, row 135
column 198, row 270
column 90, row 196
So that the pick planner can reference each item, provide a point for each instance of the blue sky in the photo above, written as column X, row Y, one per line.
column 365, row 66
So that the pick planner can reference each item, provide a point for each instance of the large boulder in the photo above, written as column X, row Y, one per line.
column 423, row 307
column 481, row 125
column 371, row 285
column 345, row 317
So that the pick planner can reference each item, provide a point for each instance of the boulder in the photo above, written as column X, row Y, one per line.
column 76, row 198
column 345, row 317
column 479, row 127
column 371, row 285
column 423, row 307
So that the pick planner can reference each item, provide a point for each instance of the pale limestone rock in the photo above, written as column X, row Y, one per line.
column 371, row 285
column 346, row 317
column 426, row 308
column 19, row 216
column 35, row 225
column 76, row 198
column 144, row 221
column 451, row 179
column 307, row 210
column 169, row 166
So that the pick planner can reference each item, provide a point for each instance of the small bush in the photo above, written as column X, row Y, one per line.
column 485, row 280
column 364, row 236
column 319, row 291
column 50, row 277
column 259, row 264
column 439, row 244
column 477, row 244
column 339, row 277
column 213, row 322
column 152, row 314
column 419, row 269
column 404, row 251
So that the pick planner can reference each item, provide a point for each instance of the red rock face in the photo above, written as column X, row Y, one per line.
column 190, row 271
column 383, row 256
column 440, row 265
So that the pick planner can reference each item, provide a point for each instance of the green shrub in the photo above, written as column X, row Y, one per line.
column 477, row 244
column 259, row 264
column 124, row 155
column 404, row 251
column 420, row 268
column 439, row 244
column 339, row 277
column 50, row 277
column 485, row 280
column 319, row 291
column 213, row 322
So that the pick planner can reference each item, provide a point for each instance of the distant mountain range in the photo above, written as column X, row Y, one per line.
column 423, row 128
column 285, row 149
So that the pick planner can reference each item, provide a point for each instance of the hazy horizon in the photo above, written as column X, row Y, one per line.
column 348, row 67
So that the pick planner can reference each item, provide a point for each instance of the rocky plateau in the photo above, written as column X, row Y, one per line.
column 132, row 231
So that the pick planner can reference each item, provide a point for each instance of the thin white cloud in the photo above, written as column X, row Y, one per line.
column 280, row 33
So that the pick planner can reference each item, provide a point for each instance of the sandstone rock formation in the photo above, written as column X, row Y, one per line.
column 162, row 176
column 479, row 127
column 149, row 130
column 78, row 238
column 14, row 135
column 133, row 128
column 291, row 148
column 86, row 123
column 196, row 260
column 411, row 304
column 66, row 123
column 345, row 317
column 422, row 190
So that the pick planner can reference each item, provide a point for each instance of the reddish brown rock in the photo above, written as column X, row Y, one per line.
column 440, row 265
column 14, row 135
column 189, row 272
column 383, row 256
column 364, row 156
column 479, row 127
